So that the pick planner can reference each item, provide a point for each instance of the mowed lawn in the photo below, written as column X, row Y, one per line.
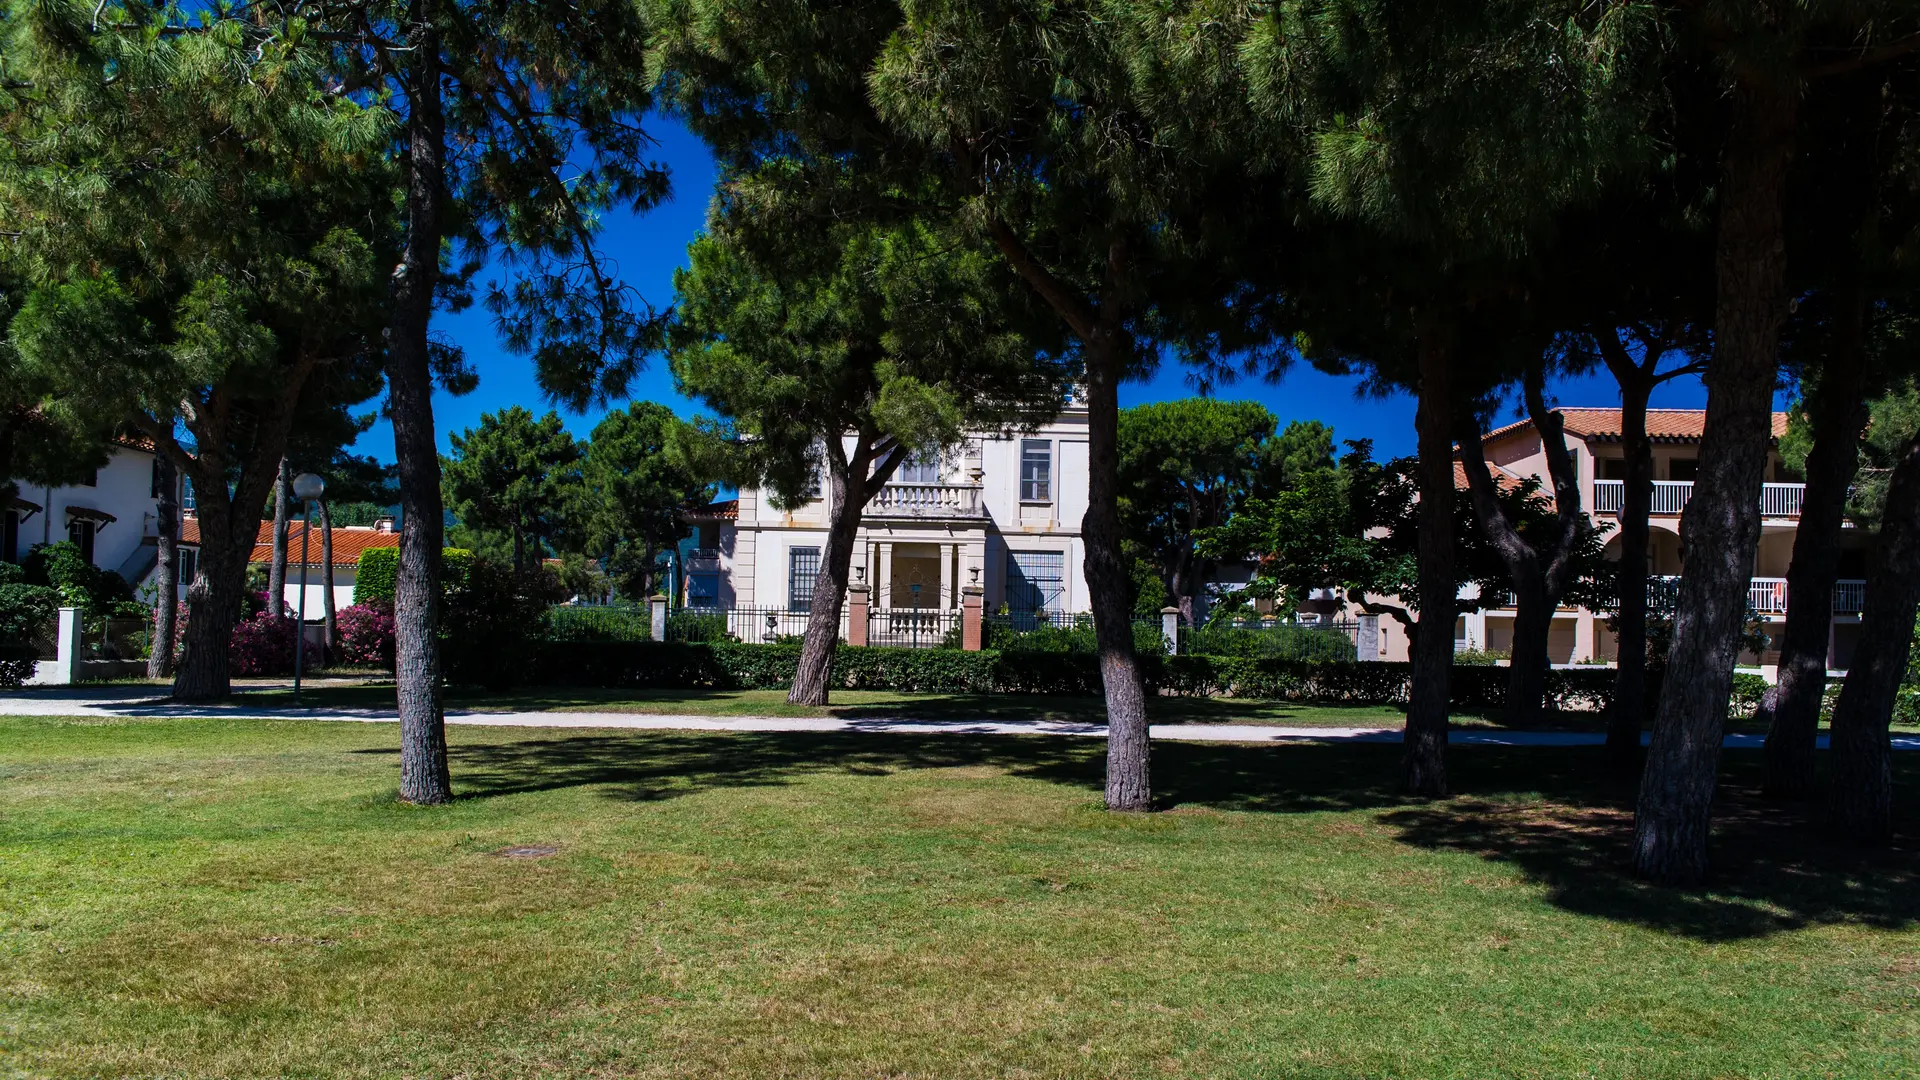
column 245, row 898
column 848, row 704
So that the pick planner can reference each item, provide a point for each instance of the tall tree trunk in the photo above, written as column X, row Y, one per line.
column 1532, row 609
column 847, row 501
column 214, row 601
column 1862, row 794
column 331, row 628
column 1628, row 713
column 166, row 567
column 1721, row 527
column 1129, row 766
column 277, row 563
column 1184, row 584
column 1424, row 764
column 424, row 777
column 1540, row 572
column 1839, row 415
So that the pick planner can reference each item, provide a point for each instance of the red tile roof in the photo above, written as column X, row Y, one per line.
column 1604, row 425
column 349, row 541
column 720, row 511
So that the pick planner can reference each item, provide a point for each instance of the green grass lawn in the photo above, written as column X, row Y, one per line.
column 869, row 704
column 854, row 704
column 244, row 898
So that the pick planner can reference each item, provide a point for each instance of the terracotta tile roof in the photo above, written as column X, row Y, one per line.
column 349, row 541
column 1506, row 480
column 1604, row 425
column 720, row 511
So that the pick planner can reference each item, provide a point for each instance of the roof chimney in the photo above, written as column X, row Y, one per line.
column 383, row 524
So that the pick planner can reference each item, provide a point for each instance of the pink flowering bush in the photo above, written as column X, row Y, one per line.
column 263, row 645
column 366, row 635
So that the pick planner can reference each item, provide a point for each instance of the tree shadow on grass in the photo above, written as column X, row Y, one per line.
column 1774, row 868
column 1551, row 813
column 649, row 765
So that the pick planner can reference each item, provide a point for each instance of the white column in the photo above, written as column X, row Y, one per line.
column 883, row 587
column 947, row 554
column 68, row 645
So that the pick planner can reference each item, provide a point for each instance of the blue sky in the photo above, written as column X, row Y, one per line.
column 648, row 248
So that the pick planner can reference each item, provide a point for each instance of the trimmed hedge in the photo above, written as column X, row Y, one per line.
column 732, row 665
column 374, row 579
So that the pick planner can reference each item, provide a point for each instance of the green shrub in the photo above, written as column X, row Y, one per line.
column 374, row 580
column 379, row 571
column 609, row 622
column 1747, row 691
column 491, row 620
column 1075, row 636
column 696, row 625
column 25, row 610
column 1279, row 641
column 78, row 582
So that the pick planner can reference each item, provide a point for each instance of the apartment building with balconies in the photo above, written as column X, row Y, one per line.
column 1001, row 511
column 1594, row 436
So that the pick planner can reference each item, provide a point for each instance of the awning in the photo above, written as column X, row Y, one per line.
column 88, row 513
column 23, row 507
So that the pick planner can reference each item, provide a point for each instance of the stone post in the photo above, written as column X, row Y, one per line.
column 659, row 605
column 69, row 647
column 971, row 599
column 1170, row 629
column 1367, row 639
column 857, row 614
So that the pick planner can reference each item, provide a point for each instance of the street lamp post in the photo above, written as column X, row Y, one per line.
column 306, row 487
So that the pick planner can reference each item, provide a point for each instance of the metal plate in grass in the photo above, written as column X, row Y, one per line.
column 530, row 851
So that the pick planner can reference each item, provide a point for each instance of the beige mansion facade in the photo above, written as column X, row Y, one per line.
column 1595, row 440
column 1001, row 511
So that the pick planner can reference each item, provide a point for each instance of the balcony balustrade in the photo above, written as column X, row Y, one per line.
column 927, row 501
column 1765, row 595
column 1670, row 497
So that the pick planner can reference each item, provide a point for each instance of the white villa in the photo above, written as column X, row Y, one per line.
column 112, row 518
column 1000, row 511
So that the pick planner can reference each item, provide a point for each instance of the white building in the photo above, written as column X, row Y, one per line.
column 1595, row 440
column 999, row 511
column 113, row 518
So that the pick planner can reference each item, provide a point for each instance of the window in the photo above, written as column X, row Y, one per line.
column 1682, row 469
column 1036, row 581
column 703, row 590
column 186, row 566
column 921, row 467
column 81, row 533
column 92, row 480
column 803, row 566
column 1036, row 470
column 1613, row 468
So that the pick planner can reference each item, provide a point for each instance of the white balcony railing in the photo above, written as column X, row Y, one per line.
column 703, row 559
column 1765, row 595
column 927, row 500
column 1781, row 500
column 1670, row 497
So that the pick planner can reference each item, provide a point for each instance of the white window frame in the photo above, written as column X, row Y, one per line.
column 1045, row 497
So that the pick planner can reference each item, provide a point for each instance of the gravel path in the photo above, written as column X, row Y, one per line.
column 139, row 701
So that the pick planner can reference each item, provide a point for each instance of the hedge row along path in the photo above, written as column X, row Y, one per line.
column 138, row 702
